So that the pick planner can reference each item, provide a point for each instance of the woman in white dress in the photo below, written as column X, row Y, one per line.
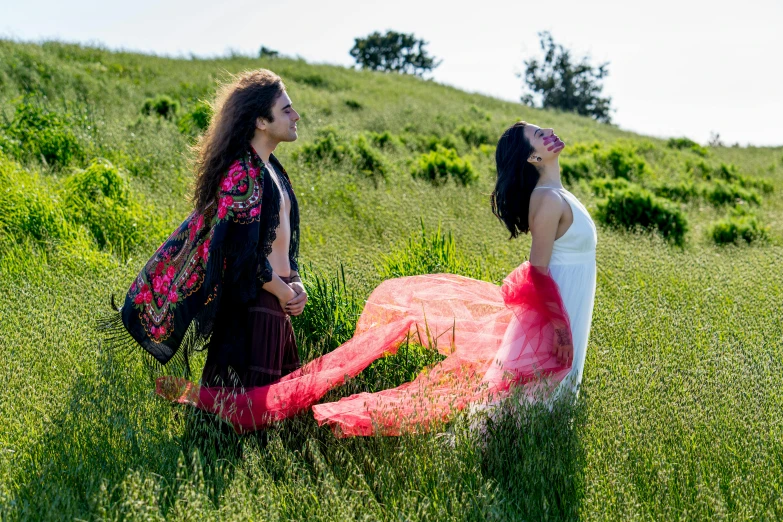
column 529, row 197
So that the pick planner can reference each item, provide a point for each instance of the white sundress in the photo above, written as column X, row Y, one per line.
column 573, row 268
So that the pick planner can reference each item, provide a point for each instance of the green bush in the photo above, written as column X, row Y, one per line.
column 752, row 183
column 723, row 193
column 636, row 207
column 417, row 142
column 688, row 144
column 98, row 198
column 327, row 146
column 572, row 170
column 684, row 191
column 161, row 105
column 729, row 173
column 474, row 136
column 603, row 186
column 197, row 119
column 368, row 160
column 739, row 225
column 622, row 161
column 37, row 133
column 441, row 164
column 353, row 104
column 30, row 207
column 383, row 140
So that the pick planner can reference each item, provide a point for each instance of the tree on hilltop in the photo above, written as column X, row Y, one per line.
column 394, row 52
column 565, row 84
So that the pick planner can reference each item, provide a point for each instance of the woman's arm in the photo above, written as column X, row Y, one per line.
column 543, row 228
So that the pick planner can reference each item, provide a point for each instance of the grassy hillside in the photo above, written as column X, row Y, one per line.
column 679, row 414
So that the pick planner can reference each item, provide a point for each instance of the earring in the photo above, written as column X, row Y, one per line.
column 538, row 158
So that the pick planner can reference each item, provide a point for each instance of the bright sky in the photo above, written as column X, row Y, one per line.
column 677, row 67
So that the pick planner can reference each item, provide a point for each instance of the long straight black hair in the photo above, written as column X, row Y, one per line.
column 516, row 180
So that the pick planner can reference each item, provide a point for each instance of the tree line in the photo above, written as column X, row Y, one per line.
column 557, row 81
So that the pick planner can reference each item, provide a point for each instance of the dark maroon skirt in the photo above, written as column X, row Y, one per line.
column 270, row 348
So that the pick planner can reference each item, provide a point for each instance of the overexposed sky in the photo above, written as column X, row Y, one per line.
column 677, row 67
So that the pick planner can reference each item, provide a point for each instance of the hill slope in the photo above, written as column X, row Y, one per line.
column 678, row 415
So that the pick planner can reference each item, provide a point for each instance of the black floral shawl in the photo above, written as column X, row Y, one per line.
column 216, row 254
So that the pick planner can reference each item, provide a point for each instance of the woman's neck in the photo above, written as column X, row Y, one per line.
column 549, row 174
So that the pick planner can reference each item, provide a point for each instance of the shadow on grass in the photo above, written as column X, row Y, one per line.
column 535, row 457
column 112, row 425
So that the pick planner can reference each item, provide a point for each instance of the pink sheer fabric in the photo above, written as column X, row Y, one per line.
column 462, row 318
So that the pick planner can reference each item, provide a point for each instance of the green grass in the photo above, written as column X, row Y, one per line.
column 679, row 414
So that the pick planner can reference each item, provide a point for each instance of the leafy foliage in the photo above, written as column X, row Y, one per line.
column 633, row 207
column 474, row 135
column 266, row 52
column 441, row 164
column 368, row 160
column 740, row 225
column 622, row 161
column 393, row 52
column 723, row 193
column 685, row 191
column 687, row 144
column 39, row 133
column 30, row 210
column 161, row 105
column 197, row 119
column 99, row 198
column 564, row 84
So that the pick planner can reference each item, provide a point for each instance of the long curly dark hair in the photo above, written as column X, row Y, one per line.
column 251, row 95
column 516, row 180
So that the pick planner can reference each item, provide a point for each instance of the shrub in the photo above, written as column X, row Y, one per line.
column 684, row 191
column 636, row 207
column 441, row 164
column 98, row 198
column 30, row 209
column 603, row 186
column 573, row 170
column 328, row 146
column 197, row 119
column 728, row 173
column 688, row 144
column 383, row 140
column 368, row 160
column 314, row 80
column 722, row 193
column 751, row 183
column 417, row 142
column 739, row 225
column 477, row 113
column 161, row 105
column 36, row 132
column 353, row 104
column 474, row 136
column 623, row 162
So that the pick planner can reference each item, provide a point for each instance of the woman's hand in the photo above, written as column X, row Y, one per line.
column 296, row 305
column 563, row 346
